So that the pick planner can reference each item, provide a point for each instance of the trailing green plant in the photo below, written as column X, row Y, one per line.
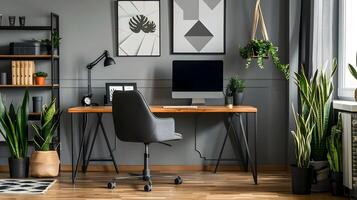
column 334, row 147
column 316, row 96
column 261, row 49
column 14, row 127
column 302, row 139
column 49, row 122
column 235, row 85
column 41, row 74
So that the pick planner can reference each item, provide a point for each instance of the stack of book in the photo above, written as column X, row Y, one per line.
column 22, row 72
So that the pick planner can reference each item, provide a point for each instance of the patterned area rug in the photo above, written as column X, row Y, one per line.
column 25, row 186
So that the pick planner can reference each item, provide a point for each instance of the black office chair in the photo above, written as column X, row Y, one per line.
column 134, row 122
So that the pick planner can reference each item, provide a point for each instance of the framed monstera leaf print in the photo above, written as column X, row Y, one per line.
column 138, row 28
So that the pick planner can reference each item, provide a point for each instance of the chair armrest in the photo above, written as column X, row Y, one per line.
column 165, row 129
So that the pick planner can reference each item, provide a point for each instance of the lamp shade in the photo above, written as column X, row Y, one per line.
column 109, row 61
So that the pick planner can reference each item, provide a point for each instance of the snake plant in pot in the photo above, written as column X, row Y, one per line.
column 301, row 173
column 334, row 157
column 45, row 161
column 14, row 130
column 316, row 96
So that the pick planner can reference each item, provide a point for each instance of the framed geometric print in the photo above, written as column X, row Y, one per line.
column 138, row 28
column 198, row 27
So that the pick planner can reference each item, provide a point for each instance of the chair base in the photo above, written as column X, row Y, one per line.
column 145, row 176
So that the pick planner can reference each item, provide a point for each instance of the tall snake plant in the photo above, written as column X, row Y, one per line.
column 44, row 133
column 316, row 96
column 14, row 127
column 334, row 147
column 302, row 139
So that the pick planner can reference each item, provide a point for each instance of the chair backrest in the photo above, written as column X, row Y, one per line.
column 133, row 120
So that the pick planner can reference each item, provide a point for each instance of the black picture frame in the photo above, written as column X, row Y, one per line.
column 108, row 93
column 117, row 30
column 198, row 53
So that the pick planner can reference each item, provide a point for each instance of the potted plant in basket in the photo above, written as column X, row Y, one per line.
column 301, row 173
column 40, row 78
column 14, row 130
column 334, row 157
column 44, row 160
column 236, row 87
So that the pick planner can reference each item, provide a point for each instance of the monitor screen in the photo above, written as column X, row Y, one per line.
column 197, row 76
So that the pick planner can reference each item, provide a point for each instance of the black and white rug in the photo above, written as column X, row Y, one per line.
column 25, row 186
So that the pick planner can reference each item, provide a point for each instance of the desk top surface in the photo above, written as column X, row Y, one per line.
column 161, row 109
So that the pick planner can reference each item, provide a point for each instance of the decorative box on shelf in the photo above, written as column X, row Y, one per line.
column 348, row 110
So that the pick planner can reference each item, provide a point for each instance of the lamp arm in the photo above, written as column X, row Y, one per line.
column 96, row 61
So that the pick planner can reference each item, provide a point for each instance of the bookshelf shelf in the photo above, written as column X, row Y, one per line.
column 27, row 57
column 30, row 86
column 26, row 28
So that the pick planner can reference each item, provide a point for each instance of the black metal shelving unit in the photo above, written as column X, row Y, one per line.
column 53, row 59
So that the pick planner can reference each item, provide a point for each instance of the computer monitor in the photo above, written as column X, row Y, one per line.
column 197, row 80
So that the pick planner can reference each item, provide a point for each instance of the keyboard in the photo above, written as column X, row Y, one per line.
column 188, row 107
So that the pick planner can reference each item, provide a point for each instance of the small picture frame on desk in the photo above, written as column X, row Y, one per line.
column 110, row 88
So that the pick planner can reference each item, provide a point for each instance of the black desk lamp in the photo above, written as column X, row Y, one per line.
column 86, row 100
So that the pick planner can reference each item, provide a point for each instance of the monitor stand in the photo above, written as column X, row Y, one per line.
column 198, row 101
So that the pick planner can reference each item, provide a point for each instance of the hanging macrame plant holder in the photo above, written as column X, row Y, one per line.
column 258, row 20
column 258, row 17
column 261, row 49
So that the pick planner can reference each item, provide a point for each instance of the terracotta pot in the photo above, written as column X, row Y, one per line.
column 44, row 164
column 40, row 80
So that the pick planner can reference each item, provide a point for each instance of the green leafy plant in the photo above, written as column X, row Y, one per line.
column 316, row 96
column 41, row 74
column 56, row 39
column 353, row 70
column 261, row 49
column 302, row 139
column 334, row 147
column 44, row 133
column 14, row 127
column 235, row 85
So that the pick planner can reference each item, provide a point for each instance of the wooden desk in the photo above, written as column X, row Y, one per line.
column 161, row 109
column 232, row 112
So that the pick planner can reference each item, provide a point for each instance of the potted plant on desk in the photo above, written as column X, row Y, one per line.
column 14, row 130
column 40, row 78
column 334, row 157
column 236, row 86
column 45, row 161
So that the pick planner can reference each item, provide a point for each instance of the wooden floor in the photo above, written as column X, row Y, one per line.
column 197, row 185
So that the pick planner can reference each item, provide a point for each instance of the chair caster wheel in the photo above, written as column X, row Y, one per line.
column 111, row 185
column 178, row 180
column 148, row 188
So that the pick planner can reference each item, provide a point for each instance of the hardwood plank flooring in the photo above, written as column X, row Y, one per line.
column 196, row 185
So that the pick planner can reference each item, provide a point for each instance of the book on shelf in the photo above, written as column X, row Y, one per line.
column 22, row 72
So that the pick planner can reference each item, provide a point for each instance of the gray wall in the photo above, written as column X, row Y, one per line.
column 88, row 27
